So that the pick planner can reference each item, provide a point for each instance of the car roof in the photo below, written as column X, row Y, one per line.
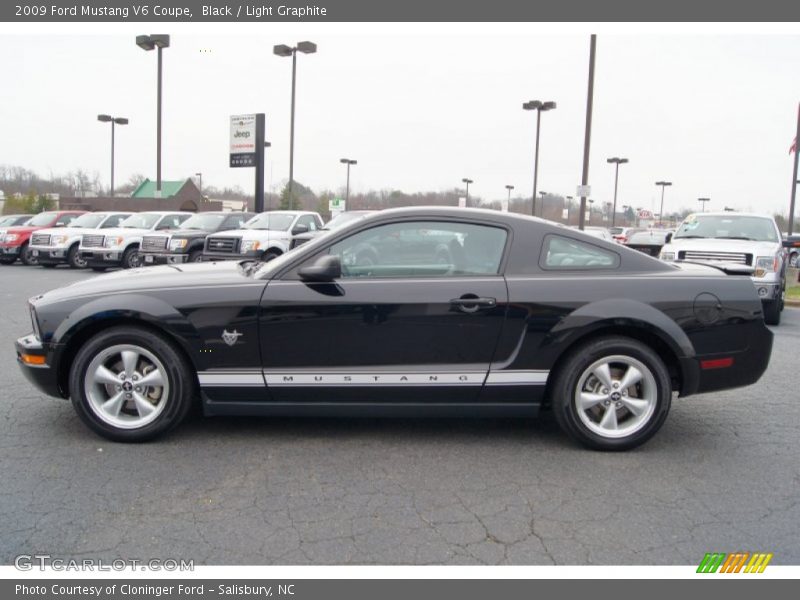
column 729, row 213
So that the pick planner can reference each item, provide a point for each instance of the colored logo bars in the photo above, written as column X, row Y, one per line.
column 737, row 562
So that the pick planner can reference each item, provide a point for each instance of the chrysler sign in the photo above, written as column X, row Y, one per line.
column 243, row 141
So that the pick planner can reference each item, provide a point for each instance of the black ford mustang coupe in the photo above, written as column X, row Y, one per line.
column 423, row 311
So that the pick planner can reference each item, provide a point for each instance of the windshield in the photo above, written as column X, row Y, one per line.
column 728, row 227
column 203, row 222
column 343, row 219
column 273, row 221
column 42, row 219
column 616, row 230
column 140, row 221
column 89, row 220
column 648, row 237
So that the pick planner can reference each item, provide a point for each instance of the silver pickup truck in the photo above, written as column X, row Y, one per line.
column 739, row 244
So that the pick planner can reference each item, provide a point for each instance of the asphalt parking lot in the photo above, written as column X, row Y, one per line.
column 722, row 475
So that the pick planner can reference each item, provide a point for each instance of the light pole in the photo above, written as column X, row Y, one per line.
column 538, row 106
column 508, row 202
column 616, row 161
column 467, row 181
column 703, row 202
column 285, row 51
column 591, row 205
column 200, row 183
column 348, row 162
column 114, row 121
column 663, row 185
column 150, row 42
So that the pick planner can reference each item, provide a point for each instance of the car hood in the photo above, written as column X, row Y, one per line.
column 125, row 231
column 70, row 231
column 182, row 233
column 718, row 245
column 253, row 233
column 24, row 229
column 148, row 278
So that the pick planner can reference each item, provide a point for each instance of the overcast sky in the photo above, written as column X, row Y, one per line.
column 713, row 114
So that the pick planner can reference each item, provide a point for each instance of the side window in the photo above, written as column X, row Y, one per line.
column 114, row 221
column 234, row 222
column 422, row 249
column 171, row 221
column 309, row 221
column 64, row 220
column 562, row 253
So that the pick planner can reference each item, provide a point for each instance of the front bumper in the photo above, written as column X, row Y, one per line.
column 102, row 257
column 44, row 376
column 50, row 256
column 768, row 290
column 163, row 259
column 9, row 250
column 212, row 256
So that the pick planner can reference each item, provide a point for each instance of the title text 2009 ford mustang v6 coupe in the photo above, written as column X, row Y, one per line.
column 424, row 311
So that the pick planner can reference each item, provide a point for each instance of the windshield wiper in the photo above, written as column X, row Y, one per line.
column 688, row 237
column 735, row 237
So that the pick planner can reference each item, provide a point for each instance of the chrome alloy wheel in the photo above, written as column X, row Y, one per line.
column 616, row 396
column 126, row 386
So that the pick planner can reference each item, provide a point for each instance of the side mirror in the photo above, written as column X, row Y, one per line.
column 325, row 270
column 668, row 239
column 298, row 229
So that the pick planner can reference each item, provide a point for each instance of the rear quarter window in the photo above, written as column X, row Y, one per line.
column 561, row 253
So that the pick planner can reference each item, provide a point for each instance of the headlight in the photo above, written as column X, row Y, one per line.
column 766, row 264
column 34, row 321
column 58, row 240
column 667, row 256
column 250, row 245
column 11, row 237
column 111, row 242
column 177, row 244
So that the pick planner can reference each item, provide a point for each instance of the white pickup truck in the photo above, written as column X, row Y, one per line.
column 119, row 247
column 739, row 244
column 60, row 245
column 264, row 237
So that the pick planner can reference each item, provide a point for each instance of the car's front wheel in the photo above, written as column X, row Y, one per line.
column 74, row 259
column 130, row 385
column 612, row 393
column 131, row 258
column 27, row 257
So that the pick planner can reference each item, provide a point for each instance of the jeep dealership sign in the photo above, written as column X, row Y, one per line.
column 243, row 141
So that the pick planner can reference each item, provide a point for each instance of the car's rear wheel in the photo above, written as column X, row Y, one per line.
column 196, row 256
column 130, row 385
column 74, row 259
column 612, row 393
column 27, row 257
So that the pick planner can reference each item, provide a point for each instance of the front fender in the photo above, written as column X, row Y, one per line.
column 138, row 307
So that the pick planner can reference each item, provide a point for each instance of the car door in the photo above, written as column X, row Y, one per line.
column 415, row 317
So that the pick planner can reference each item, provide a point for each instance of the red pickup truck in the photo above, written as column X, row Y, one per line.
column 14, row 242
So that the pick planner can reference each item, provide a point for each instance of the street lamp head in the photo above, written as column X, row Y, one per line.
column 104, row 118
column 532, row 105
column 467, row 180
column 307, row 47
column 549, row 105
column 663, row 183
column 121, row 121
column 543, row 194
column 509, row 187
column 282, row 50
column 160, row 40
column 617, row 160
column 145, row 42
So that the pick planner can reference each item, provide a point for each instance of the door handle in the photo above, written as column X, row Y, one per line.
column 470, row 303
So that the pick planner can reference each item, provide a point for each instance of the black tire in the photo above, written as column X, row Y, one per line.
column 269, row 255
column 74, row 259
column 27, row 257
column 196, row 256
column 98, row 269
column 772, row 312
column 181, row 383
column 131, row 258
column 572, row 377
column 793, row 259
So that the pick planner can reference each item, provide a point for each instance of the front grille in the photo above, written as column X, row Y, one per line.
column 40, row 239
column 222, row 245
column 93, row 241
column 153, row 243
column 739, row 258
